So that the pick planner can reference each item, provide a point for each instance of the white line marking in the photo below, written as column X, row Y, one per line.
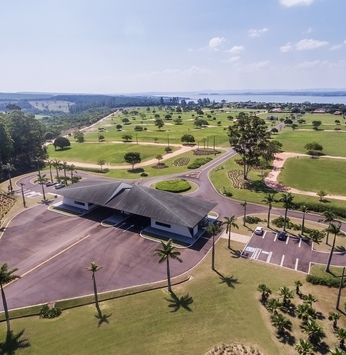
column 275, row 237
column 288, row 238
column 282, row 260
column 300, row 243
column 296, row 266
column 269, row 257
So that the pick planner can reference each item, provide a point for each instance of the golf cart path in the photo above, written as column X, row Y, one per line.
column 272, row 178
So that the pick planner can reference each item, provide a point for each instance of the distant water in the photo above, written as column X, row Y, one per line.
column 259, row 98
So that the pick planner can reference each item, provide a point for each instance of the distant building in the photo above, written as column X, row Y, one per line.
column 337, row 113
column 319, row 110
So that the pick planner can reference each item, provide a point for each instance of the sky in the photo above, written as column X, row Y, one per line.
column 137, row 46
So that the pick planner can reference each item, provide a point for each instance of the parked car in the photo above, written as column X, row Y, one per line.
column 50, row 183
column 59, row 186
column 259, row 231
column 282, row 236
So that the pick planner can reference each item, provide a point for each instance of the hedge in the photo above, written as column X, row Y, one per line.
column 325, row 281
column 320, row 208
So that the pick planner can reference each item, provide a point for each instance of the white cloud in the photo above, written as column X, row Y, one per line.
column 290, row 3
column 307, row 44
column 216, row 42
column 287, row 47
column 236, row 49
column 256, row 33
column 309, row 30
column 336, row 47
column 304, row 44
column 306, row 65
column 232, row 59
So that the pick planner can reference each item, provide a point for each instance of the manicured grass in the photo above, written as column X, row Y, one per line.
column 173, row 185
column 221, row 307
column 112, row 153
column 315, row 174
column 294, row 141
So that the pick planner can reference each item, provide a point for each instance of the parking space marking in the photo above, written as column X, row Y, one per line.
column 263, row 235
column 296, row 266
column 276, row 235
column 269, row 257
column 300, row 243
column 282, row 260
column 288, row 238
column 256, row 254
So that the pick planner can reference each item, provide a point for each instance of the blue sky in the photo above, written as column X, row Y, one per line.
column 133, row 46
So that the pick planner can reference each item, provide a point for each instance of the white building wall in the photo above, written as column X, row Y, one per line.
column 78, row 204
column 175, row 228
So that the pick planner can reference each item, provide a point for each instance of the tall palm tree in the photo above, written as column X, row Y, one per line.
column 93, row 269
column 50, row 164
column 229, row 223
column 334, row 228
column 304, row 209
column 298, row 284
column 57, row 164
column 6, row 276
column 42, row 179
column 313, row 330
column 244, row 204
column 268, row 200
column 333, row 316
column 265, row 290
column 72, row 169
column 304, row 347
column 64, row 167
column 213, row 229
column 328, row 217
column 168, row 251
column 287, row 200
column 9, row 167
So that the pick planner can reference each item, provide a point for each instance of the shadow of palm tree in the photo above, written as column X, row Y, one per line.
column 13, row 343
column 286, row 338
column 103, row 318
column 230, row 281
column 183, row 302
column 340, row 249
column 236, row 253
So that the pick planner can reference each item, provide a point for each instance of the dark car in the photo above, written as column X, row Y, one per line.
column 282, row 236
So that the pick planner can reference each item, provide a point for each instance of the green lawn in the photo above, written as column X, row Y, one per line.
column 224, row 307
column 334, row 143
column 315, row 174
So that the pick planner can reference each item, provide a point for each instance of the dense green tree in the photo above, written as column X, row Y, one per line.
column 248, row 137
column 270, row 149
column 188, row 138
column 132, row 158
column 159, row 123
column 168, row 251
column 6, row 142
column 126, row 137
column 61, row 142
column 316, row 124
column 6, row 276
column 9, row 167
column 78, row 136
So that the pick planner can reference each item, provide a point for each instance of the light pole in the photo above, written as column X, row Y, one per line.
column 21, row 186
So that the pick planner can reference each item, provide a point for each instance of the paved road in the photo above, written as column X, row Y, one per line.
column 52, row 250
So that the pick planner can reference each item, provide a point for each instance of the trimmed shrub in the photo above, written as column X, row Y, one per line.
column 173, row 185
column 199, row 162
column 321, row 207
column 47, row 312
column 325, row 281
column 144, row 174
column 93, row 170
column 253, row 220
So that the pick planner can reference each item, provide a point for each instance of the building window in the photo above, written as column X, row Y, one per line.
column 79, row 203
column 162, row 224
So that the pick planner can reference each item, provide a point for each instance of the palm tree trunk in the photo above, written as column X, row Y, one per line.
column 168, row 276
column 213, row 254
column 50, row 172
column 43, row 193
column 229, row 238
column 330, row 255
column 327, row 234
column 285, row 219
column 268, row 216
column 303, row 222
column 6, row 311
column 96, row 296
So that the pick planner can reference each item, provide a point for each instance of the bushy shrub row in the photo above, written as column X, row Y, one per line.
column 321, row 207
column 325, row 281
column 47, row 312
column 199, row 162
column 93, row 170
column 253, row 220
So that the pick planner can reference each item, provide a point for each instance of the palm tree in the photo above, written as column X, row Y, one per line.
column 57, row 164
column 9, row 167
column 305, row 312
column 338, row 351
column 272, row 305
column 280, row 322
column 213, row 229
column 168, row 251
column 313, row 330
column 64, row 167
column 310, row 299
column 230, row 222
column 266, row 291
column 268, row 200
column 244, row 204
column 286, row 295
column 329, row 217
column 298, row 284
column 304, row 209
column 341, row 335
column 93, row 269
column 287, row 200
column 333, row 316
column 42, row 180
column 72, row 169
column 304, row 347
column 50, row 164
column 334, row 228
column 6, row 276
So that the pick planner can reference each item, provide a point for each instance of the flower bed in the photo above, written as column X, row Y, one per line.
column 181, row 161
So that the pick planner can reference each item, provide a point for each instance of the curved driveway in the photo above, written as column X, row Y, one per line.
column 52, row 250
